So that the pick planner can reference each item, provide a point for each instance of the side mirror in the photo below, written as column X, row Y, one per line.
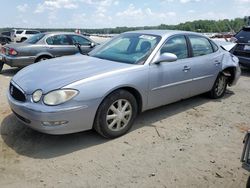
column 92, row 44
column 166, row 57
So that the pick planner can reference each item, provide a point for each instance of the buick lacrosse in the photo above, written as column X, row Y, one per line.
column 107, row 88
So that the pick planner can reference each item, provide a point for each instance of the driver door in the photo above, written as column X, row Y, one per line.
column 170, row 81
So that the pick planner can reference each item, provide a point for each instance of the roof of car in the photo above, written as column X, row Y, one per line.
column 59, row 32
column 163, row 32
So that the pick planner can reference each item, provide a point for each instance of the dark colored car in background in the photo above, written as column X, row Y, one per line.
column 44, row 46
column 4, row 40
column 242, row 47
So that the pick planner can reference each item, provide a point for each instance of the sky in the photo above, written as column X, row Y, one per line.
column 115, row 13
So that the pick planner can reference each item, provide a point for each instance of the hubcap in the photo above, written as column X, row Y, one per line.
column 220, row 86
column 119, row 115
column 42, row 59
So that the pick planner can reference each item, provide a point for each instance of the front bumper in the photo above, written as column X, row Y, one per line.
column 78, row 118
column 18, row 61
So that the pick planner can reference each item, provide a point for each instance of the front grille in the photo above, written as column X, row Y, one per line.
column 16, row 93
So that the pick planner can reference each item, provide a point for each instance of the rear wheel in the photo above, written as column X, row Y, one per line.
column 116, row 114
column 23, row 39
column 43, row 58
column 219, row 87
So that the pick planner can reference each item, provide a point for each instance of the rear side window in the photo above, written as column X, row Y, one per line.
column 79, row 39
column 58, row 40
column 176, row 45
column 200, row 46
column 31, row 32
column 19, row 32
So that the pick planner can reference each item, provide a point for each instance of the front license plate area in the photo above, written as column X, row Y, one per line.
column 247, row 47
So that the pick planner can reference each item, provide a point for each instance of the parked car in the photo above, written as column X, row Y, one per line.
column 242, row 48
column 133, row 72
column 4, row 40
column 44, row 46
column 245, row 158
column 6, row 33
column 22, row 35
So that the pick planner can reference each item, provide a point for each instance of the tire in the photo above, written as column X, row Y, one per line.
column 1, row 66
column 219, row 87
column 42, row 58
column 23, row 39
column 111, row 120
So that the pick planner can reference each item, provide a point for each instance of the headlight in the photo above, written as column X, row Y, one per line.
column 59, row 96
column 36, row 96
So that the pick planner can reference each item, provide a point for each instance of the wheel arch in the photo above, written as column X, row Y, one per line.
column 135, row 92
column 229, row 72
column 43, row 55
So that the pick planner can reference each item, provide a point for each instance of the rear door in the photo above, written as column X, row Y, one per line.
column 205, row 64
column 60, row 45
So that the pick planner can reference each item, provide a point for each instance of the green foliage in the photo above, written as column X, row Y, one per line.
column 203, row 26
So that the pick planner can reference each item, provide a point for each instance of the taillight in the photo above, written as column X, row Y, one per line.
column 3, row 50
column 12, row 51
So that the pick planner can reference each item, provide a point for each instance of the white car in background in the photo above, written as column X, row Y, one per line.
column 22, row 35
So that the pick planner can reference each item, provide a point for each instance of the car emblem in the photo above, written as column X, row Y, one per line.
column 11, row 90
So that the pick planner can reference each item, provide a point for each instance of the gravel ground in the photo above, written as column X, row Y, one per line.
column 192, row 143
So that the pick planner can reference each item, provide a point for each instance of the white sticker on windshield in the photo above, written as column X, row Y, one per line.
column 148, row 37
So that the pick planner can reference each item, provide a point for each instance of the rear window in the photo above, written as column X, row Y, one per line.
column 34, row 39
column 19, row 32
column 243, row 35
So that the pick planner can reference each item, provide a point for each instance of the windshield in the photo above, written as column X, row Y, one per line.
column 34, row 39
column 132, row 48
column 244, row 35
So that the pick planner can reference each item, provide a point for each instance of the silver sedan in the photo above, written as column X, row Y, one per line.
column 44, row 46
column 134, row 72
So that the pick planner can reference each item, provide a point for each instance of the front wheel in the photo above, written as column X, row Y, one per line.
column 219, row 87
column 116, row 114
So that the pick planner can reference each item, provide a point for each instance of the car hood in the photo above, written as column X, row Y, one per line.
column 56, row 73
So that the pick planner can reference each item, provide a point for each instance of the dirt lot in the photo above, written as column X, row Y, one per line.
column 192, row 143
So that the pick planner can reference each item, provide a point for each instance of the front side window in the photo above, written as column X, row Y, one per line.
column 132, row 48
column 80, row 40
column 176, row 45
column 58, row 40
column 200, row 46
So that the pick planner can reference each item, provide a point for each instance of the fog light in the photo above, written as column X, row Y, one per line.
column 54, row 123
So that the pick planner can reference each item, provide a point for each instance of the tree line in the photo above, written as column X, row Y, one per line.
column 203, row 26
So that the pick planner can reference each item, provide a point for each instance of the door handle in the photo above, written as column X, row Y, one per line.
column 186, row 68
column 217, row 62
